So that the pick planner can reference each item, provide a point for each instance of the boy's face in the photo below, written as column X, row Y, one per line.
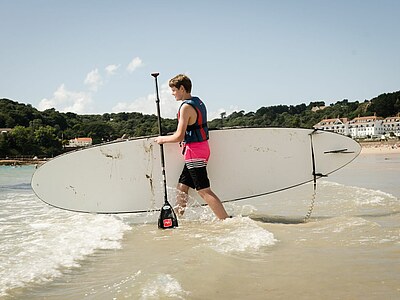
column 179, row 93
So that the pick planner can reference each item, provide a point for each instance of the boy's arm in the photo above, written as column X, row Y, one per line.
column 185, row 113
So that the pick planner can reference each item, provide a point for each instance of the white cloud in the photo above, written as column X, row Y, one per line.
column 168, row 105
column 217, row 114
column 147, row 105
column 134, row 64
column 111, row 69
column 67, row 101
column 93, row 80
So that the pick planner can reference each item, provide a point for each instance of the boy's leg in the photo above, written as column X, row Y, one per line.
column 213, row 201
column 202, row 184
column 181, row 198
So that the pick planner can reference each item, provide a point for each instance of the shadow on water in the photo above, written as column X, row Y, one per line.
column 377, row 215
column 274, row 219
column 18, row 186
column 282, row 219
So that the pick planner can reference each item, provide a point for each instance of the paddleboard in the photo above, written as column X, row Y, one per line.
column 125, row 176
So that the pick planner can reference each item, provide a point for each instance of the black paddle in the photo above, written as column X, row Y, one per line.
column 167, row 217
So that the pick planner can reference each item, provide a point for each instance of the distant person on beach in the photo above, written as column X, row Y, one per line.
column 192, row 133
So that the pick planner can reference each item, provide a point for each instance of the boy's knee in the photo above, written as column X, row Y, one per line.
column 204, row 192
column 183, row 188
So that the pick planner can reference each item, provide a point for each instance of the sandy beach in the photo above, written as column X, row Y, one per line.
column 380, row 147
column 20, row 162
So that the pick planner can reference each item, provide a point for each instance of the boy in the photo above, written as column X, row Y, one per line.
column 192, row 130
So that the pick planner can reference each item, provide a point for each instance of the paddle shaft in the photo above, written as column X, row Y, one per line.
column 155, row 75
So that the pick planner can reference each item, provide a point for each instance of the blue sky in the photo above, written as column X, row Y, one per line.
column 96, row 56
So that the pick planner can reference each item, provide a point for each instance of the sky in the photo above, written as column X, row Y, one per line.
column 96, row 56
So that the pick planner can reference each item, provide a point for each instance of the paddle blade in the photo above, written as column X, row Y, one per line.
column 167, row 217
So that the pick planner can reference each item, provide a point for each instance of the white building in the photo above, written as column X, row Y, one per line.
column 5, row 130
column 362, row 127
column 80, row 142
column 391, row 124
column 338, row 125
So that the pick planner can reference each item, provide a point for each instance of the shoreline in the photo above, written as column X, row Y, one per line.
column 21, row 162
column 377, row 147
column 380, row 147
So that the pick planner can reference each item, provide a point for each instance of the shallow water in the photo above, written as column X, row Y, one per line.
column 349, row 249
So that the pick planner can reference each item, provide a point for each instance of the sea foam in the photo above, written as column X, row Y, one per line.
column 38, row 241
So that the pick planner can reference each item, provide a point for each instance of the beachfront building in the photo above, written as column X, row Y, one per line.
column 338, row 125
column 362, row 127
column 80, row 142
column 391, row 124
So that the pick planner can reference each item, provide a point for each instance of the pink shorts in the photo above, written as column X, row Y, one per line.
column 196, row 154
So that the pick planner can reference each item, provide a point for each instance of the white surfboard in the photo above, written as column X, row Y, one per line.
column 125, row 176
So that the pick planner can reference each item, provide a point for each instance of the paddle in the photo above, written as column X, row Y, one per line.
column 167, row 217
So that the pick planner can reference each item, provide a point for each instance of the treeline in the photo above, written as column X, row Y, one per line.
column 44, row 134
column 303, row 116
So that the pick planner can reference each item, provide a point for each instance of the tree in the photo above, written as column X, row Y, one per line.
column 385, row 105
column 98, row 131
column 23, row 141
column 49, row 144
column 4, row 146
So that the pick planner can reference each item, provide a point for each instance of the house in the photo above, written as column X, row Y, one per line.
column 338, row 125
column 362, row 127
column 80, row 142
column 5, row 130
column 391, row 124
column 317, row 108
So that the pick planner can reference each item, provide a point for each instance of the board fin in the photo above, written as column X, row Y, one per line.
column 338, row 151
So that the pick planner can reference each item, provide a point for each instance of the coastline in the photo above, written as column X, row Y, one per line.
column 21, row 162
column 380, row 147
column 375, row 147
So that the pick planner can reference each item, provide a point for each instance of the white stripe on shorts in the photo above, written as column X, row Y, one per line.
column 196, row 163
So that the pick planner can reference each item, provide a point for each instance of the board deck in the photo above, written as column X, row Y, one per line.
column 125, row 176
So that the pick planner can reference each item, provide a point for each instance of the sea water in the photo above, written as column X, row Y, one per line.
column 38, row 241
column 348, row 249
